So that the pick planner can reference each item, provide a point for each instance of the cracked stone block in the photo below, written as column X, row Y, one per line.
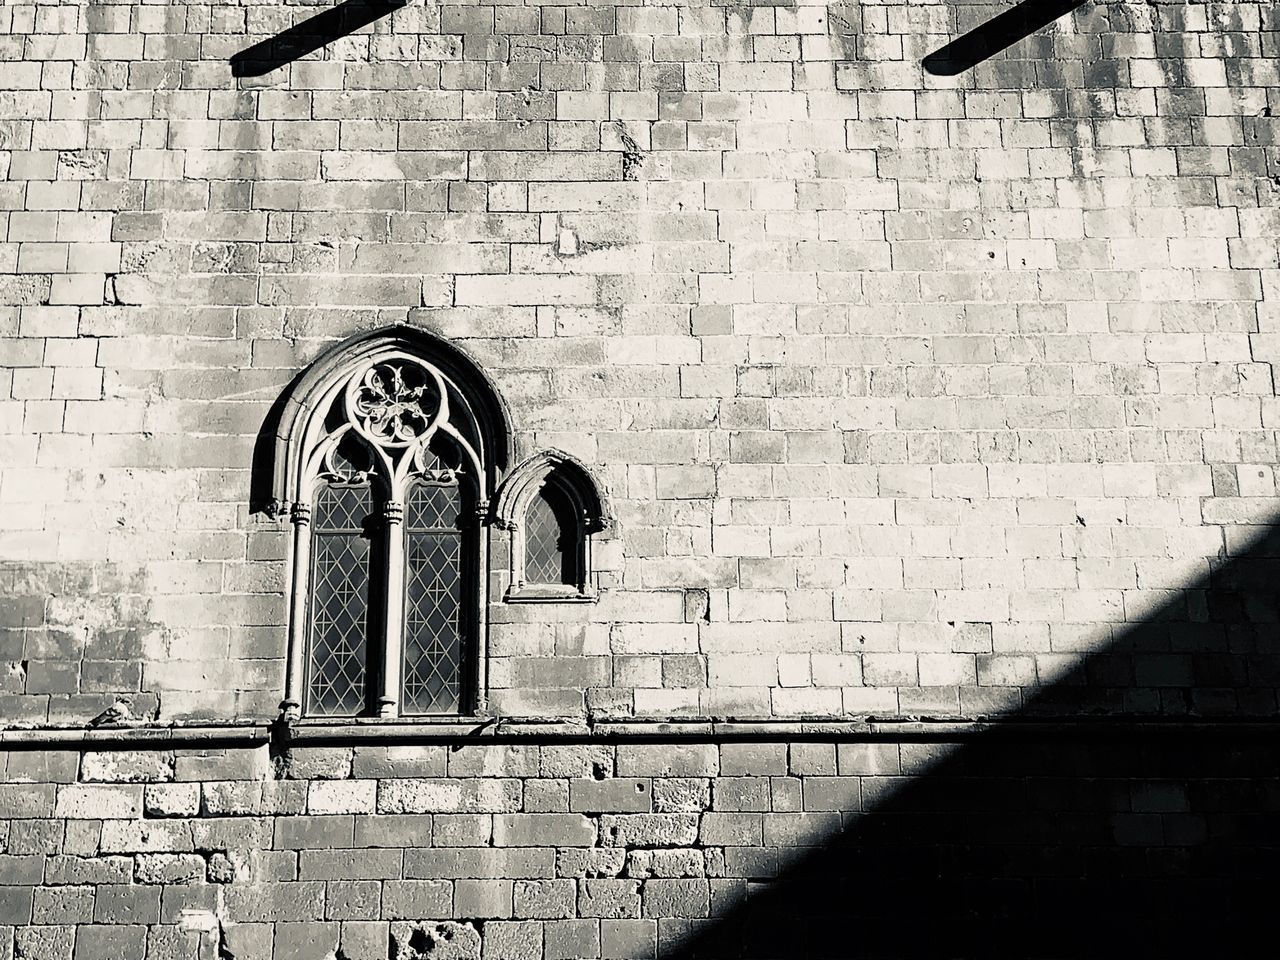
column 642, row 864
column 596, row 862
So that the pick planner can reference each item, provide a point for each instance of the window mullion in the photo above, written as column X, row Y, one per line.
column 392, row 647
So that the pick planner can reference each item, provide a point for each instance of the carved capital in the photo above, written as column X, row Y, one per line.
column 393, row 511
column 300, row 513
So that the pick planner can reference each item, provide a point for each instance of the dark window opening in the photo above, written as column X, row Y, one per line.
column 553, row 539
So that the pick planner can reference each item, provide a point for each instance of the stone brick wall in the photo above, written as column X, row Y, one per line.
column 908, row 389
column 824, row 847
column 913, row 395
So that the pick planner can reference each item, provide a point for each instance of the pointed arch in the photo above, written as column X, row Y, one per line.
column 553, row 509
column 468, row 381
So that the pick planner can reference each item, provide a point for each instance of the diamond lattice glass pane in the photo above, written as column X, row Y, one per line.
column 550, row 539
column 433, row 622
column 342, row 508
column 339, row 602
column 433, row 507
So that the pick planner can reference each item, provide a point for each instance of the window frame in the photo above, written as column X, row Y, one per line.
column 473, row 420
column 576, row 483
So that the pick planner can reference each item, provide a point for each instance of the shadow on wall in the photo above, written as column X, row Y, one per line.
column 309, row 36
column 1156, row 839
column 996, row 35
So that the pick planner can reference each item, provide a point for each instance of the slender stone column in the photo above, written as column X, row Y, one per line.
column 480, row 595
column 393, row 619
column 298, row 593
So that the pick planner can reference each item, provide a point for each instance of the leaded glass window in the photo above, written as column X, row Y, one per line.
column 337, row 667
column 435, row 630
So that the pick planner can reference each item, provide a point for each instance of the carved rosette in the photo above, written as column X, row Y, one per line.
column 395, row 404
column 383, row 418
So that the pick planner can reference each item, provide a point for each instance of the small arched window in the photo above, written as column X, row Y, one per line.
column 388, row 448
column 553, row 509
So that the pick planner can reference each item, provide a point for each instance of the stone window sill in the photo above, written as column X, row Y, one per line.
column 549, row 593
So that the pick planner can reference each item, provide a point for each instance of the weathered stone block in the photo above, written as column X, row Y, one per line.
column 168, row 868
column 125, row 942
column 576, row 760
column 595, row 862
column 417, row 899
column 366, row 940
column 642, row 864
column 521, row 940
column 668, row 760
column 251, row 940
column 353, row 900
column 628, row 939
column 274, row 902
column 681, row 795
column 57, row 905
column 44, row 942
column 507, row 760
column 446, row 940
column 649, row 830
column 126, row 766
column 610, row 796
column 171, row 799
column 305, row 941
column 544, row 899
column 676, row 898
column 741, row 794
column 608, row 899
column 341, row 796
column 120, row 904
column 448, row 796
column 543, row 829
column 250, row 798
column 99, row 802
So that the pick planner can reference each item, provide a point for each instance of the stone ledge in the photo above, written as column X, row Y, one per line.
column 918, row 729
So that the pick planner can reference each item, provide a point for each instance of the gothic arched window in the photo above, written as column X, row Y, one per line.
column 387, row 451
column 553, row 509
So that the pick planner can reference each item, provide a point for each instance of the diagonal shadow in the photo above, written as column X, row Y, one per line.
column 309, row 36
column 1156, row 836
column 996, row 35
